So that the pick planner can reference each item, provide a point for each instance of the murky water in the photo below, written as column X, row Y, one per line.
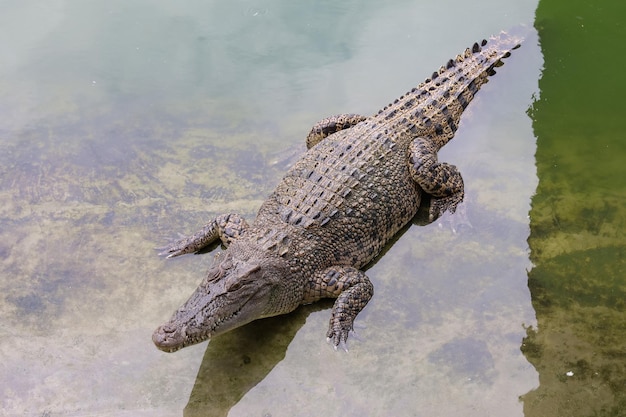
column 126, row 124
column 578, row 217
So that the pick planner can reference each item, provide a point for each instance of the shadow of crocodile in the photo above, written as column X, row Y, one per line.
column 238, row 360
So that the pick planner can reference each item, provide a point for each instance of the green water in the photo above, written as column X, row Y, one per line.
column 578, row 217
column 126, row 123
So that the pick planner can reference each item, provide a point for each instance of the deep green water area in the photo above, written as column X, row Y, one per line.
column 578, row 216
column 124, row 124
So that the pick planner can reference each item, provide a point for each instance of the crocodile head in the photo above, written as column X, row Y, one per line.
column 235, row 292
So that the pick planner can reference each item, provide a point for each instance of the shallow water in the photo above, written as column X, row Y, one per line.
column 124, row 125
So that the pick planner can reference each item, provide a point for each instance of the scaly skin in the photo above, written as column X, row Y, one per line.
column 359, row 183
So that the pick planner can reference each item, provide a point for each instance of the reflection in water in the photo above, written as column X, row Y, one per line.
column 578, row 217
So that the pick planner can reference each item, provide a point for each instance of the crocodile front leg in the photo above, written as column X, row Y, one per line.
column 330, row 125
column 352, row 290
column 226, row 227
column 439, row 179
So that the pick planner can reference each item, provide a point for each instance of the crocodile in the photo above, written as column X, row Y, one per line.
column 360, row 182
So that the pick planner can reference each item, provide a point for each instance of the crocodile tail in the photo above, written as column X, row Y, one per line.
column 434, row 108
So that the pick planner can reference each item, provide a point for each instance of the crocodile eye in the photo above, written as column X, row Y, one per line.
column 235, row 285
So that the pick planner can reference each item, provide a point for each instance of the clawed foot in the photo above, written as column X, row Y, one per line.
column 353, row 291
column 338, row 333
column 182, row 246
column 438, row 206
column 340, row 342
column 170, row 251
column 224, row 228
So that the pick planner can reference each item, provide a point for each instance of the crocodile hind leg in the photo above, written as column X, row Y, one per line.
column 330, row 125
column 226, row 227
column 439, row 179
column 352, row 290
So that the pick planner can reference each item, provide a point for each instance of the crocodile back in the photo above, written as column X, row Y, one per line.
column 344, row 199
column 352, row 192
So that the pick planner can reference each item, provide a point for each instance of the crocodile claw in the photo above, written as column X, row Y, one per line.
column 173, row 249
column 342, row 345
column 338, row 335
column 438, row 206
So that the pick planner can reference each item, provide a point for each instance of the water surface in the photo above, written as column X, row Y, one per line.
column 578, row 217
column 126, row 124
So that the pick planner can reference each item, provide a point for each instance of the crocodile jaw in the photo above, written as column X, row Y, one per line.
column 209, row 313
column 197, row 320
column 235, row 292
